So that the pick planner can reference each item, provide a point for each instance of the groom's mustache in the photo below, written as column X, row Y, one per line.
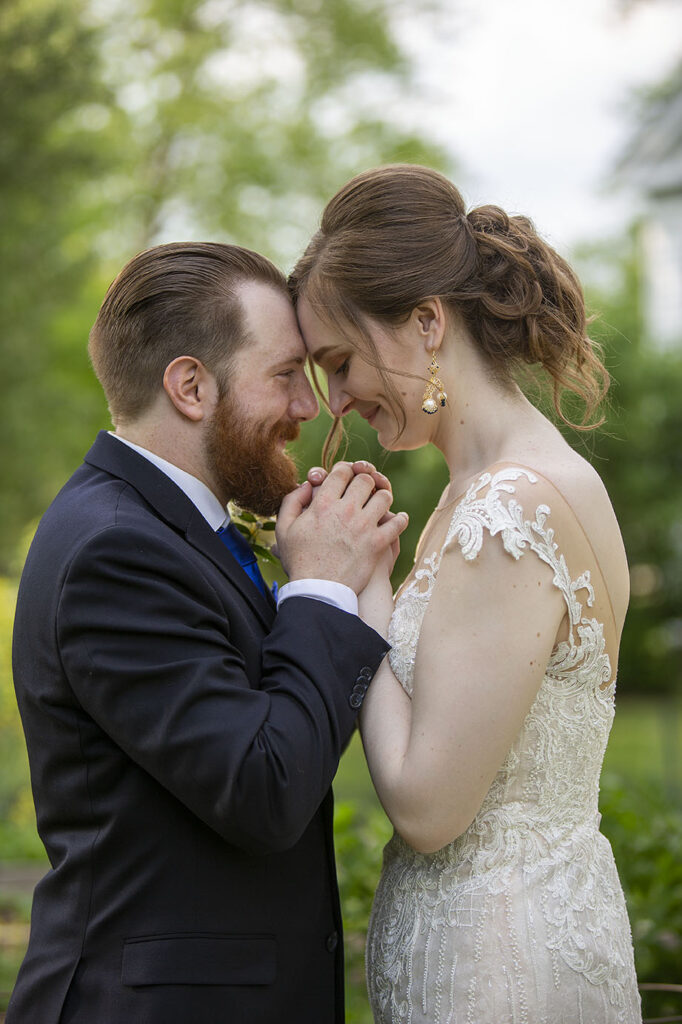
column 288, row 431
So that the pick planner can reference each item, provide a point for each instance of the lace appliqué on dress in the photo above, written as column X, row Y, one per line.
column 473, row 517
column 521, row 918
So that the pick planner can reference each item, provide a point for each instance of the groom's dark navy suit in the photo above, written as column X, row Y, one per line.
column 182, row 739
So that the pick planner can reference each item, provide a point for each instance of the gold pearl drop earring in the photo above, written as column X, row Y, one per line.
column 434, row 392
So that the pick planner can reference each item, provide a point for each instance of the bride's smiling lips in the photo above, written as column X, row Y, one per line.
column 371, row 414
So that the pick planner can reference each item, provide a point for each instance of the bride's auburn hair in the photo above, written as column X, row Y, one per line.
column 396, row 235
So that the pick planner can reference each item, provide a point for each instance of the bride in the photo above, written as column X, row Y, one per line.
column 499, row 899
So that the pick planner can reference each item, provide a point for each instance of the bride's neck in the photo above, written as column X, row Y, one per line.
column 485, row 423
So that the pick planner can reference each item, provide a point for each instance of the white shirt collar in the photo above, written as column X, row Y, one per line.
column 196, row 490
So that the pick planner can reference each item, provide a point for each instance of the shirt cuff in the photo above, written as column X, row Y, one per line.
column 329, row 591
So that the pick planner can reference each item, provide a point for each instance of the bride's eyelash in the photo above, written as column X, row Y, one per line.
column 343, row 368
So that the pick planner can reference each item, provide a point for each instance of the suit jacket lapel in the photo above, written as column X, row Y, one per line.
column 173, row 506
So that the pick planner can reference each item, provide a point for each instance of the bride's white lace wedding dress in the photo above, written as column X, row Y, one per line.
column 522, row 918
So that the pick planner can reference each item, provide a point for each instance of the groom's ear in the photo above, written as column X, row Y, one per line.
column 190, row 387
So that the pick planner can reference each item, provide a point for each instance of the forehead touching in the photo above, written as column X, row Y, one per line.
column 270, row 321
column 321, row 337
column 326, row 339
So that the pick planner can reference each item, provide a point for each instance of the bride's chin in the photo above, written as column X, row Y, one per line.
column 393, row 441
column 387, row 433
column 388, row 441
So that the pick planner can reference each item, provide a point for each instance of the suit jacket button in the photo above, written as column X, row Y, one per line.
column 332, row 941
column 355, row 700
column 365, row 673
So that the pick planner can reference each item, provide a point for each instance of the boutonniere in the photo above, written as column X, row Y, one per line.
column 259, row 532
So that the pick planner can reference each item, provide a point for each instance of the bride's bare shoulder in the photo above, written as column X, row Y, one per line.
column 580, row 488
column 580, row 485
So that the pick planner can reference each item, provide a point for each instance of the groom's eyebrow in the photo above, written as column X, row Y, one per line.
column 298, row 360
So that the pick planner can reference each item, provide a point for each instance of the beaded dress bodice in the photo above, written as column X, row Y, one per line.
column 520, row 918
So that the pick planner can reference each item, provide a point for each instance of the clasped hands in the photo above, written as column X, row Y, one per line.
column 338, row 526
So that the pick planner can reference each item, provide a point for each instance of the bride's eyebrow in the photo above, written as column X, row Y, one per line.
column 319, row 355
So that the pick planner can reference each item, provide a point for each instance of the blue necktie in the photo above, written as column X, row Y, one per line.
column 237, row 544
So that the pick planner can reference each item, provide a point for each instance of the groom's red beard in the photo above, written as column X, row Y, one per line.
column 247, row 461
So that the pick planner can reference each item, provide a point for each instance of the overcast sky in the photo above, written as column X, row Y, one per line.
column 532, row 98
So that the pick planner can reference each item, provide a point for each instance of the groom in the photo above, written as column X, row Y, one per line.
column 182, row 731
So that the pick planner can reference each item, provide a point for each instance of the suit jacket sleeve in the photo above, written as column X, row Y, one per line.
column 146, row 646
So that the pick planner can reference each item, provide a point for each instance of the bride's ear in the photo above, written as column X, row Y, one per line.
column 429, row 323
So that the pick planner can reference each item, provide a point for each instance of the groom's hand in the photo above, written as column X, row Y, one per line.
column 343, row 533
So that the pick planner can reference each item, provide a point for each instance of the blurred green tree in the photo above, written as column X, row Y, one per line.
column 128, row 122
column 637, row 453
column 50, row 95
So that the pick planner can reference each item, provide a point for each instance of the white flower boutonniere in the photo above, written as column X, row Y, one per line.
column 259, row 532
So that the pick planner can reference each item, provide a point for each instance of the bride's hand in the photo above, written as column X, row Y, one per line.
column 317, row 475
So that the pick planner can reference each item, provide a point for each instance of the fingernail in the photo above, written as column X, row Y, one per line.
column 315, row 471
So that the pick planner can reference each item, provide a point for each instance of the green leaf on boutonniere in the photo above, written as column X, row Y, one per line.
column 260, row 533
column 264, row 553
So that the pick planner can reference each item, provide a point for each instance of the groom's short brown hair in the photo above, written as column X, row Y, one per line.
column 168, row 301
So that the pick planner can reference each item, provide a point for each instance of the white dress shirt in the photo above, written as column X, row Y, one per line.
column 215, row 514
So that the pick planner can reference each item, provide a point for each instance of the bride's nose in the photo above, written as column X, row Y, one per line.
column 340, row 401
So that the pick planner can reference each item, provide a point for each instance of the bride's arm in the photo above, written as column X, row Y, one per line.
column 487, row 636
column 386, row 711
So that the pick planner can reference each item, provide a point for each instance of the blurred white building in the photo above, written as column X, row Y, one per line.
column 652, row 165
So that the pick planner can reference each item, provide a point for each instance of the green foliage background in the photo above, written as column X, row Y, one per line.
column 129, row 122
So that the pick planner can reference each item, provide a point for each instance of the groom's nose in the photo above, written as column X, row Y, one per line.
column 304, row 404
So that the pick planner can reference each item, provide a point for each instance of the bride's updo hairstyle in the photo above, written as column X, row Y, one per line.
column 396, row 235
